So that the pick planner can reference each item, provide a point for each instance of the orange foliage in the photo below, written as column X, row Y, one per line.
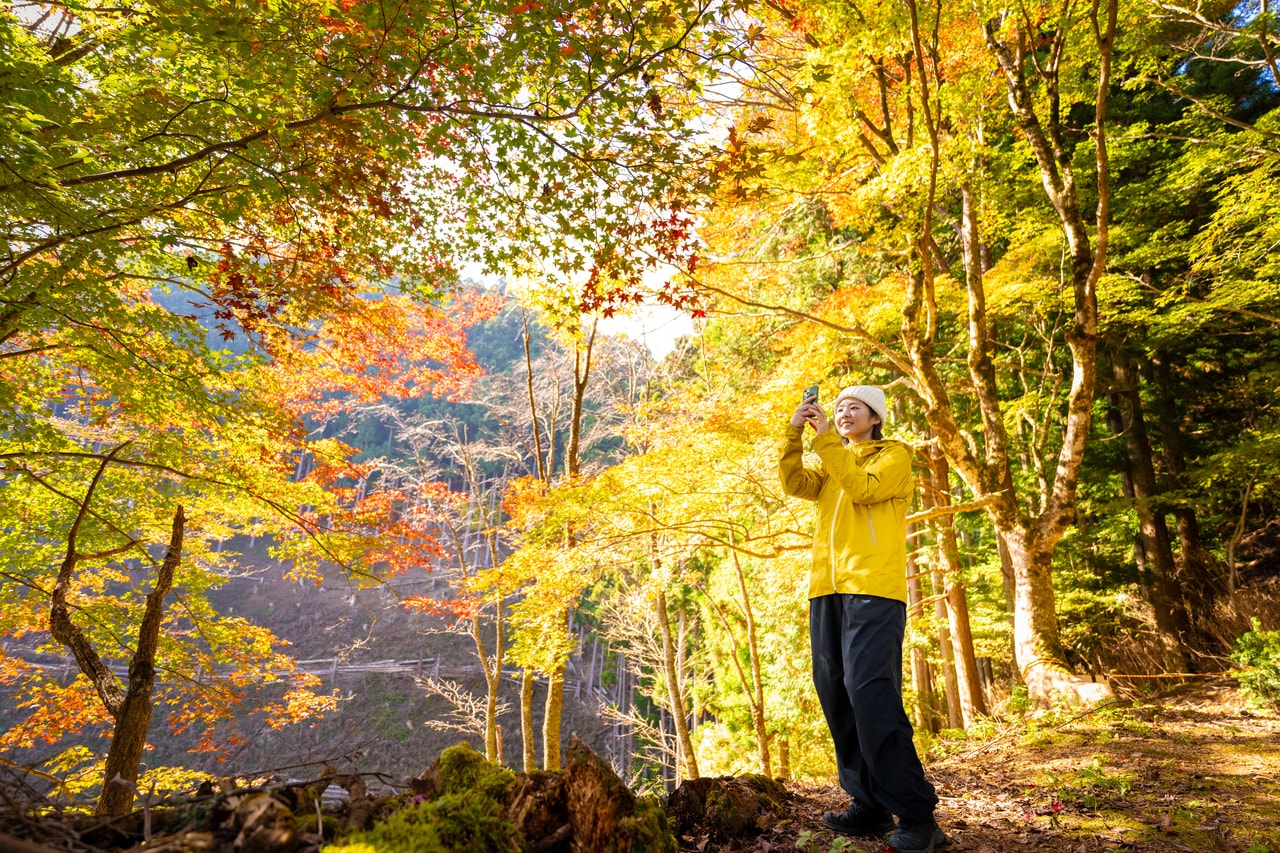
column 390, row 346
column 55, row 711
column 522, row 501
column 451, row 609
column 297, row 705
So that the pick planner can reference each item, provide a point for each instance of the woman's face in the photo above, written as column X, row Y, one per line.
column 854, row 419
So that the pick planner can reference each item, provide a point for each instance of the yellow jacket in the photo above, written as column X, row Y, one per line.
column 862, row 493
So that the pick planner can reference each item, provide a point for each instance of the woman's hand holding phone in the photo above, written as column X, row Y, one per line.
column 809, row 412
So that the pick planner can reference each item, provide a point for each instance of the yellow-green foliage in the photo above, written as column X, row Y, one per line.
column 1257, row 654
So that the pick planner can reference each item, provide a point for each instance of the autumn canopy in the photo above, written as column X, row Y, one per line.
column 312, row 292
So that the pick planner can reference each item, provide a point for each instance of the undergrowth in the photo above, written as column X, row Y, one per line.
column 1257, row 653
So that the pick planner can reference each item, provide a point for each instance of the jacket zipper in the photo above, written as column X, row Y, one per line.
column 871, row 524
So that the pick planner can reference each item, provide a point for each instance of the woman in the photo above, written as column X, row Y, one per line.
column 858, row 613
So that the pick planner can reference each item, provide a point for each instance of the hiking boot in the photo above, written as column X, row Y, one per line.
column 859, row 819
column 917, row 837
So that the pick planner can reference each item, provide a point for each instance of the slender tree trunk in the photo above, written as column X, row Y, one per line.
column 63, row 629
column 1172, row 621
column 674, row 692
column 921, row 672
column 133, row 722
column 973, row 703
column 528, row 748
column 551, row 719
column 629, row 695
column 492, row 675
column 555, row 684
column 1009, row 581
column 1199, row 570
column 753, row 649
column 967, row 689
column 754, row 701
column 540, row 463
column 946, row 651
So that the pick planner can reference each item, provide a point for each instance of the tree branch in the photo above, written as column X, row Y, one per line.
column 63, row 629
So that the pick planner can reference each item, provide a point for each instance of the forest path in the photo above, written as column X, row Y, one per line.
column 1192, row 769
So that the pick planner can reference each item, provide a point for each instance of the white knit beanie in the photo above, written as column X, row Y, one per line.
column 869, row 394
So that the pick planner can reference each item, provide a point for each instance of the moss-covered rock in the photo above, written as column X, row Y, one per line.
column 465, row 803
column 605, row 815
column 728, row 806
column 454, row 823
column 464, row 769
column 461, row 807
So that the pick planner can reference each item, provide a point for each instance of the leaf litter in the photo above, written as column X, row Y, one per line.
column 1191, row 769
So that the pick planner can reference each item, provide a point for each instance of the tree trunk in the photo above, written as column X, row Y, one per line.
column 946, row 651
column 528, row 749
column 755, row 698
column 973, row 703
column 1199, row 570
column 753, row 649
column 956, row 610
column 1172, row 621
column 555, row 686
column 629, row 736
column 674, row 692
column 493, row 680
column 1031, row 543
column 1035, row 626
column 133, row 722
column 551, row 719
column 1009, row 582
column 493, row 673
column 921, row 674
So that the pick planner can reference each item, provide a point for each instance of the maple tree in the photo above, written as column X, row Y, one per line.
column 284, row 151
column 692, row 491
column 469, row 524
column 551, row 585
column 100, row 475
column 287, row 175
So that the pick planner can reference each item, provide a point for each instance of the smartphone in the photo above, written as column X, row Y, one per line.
column 810, row 394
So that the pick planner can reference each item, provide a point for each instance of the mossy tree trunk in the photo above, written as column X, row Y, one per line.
column 551, row 719
column 528, row 749
column 133, row 721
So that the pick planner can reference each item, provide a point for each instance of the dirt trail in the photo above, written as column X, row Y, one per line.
column 1194, row 769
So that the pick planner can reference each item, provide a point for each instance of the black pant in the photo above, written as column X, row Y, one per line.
column 857, row 669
